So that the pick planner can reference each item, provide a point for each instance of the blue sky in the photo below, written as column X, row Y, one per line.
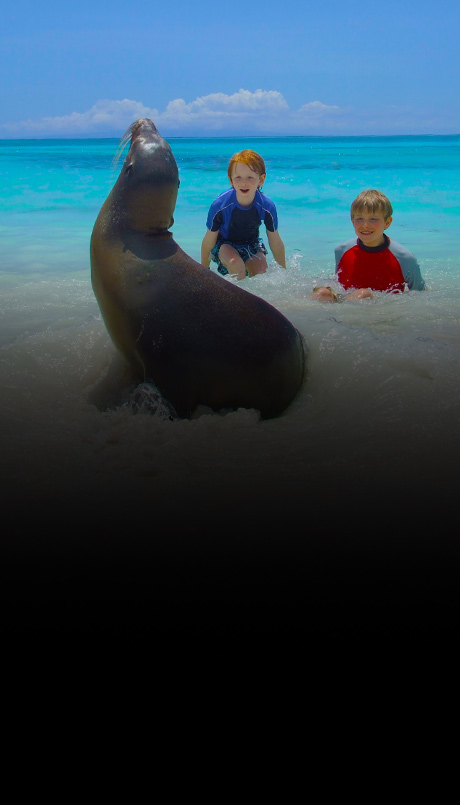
column 202, row 68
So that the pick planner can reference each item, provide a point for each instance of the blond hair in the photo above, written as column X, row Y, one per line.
column 374, row 201
column 250, row 158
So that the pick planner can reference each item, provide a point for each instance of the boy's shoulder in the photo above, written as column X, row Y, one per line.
column 345, row 246
column 224, row 198
column 263, row 200
column 348, row 243
column 398, row 248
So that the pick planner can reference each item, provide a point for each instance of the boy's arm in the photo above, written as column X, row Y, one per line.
column 340, row 250
column 277, row 247
column 209, row 241
column 413, row 276
column 409, row 266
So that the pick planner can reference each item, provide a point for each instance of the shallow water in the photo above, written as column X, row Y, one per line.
column 381, row 389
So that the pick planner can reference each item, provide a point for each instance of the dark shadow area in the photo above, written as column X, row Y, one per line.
column 88, row 567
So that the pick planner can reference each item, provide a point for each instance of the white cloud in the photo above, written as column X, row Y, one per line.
column 241, row 102
column 264, row 112
column 316, row 109
column 105, row 115
column 260, row 110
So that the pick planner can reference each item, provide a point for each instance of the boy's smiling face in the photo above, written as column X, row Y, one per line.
column 370, row 226
column 246, row 182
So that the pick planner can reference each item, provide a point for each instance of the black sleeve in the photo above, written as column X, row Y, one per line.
column 217, row 221
column 268, row 221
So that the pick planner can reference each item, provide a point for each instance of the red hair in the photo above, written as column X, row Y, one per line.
column 250, row 158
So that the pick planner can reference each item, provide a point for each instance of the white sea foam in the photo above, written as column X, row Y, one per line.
column 381, row 391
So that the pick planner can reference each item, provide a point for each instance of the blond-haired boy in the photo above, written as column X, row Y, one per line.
column 372, row 262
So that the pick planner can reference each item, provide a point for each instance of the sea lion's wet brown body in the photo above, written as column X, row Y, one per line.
column 199, row 338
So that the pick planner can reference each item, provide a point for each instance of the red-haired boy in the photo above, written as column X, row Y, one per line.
column 232, row 236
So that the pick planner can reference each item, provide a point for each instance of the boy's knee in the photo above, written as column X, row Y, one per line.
column 256, row 264
column 229, row 257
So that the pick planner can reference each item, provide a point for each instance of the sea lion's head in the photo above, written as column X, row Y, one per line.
column 146, row 190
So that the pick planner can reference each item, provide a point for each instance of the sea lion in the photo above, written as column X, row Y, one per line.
column 200, row 339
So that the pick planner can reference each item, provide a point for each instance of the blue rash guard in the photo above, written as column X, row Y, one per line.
column 388, row 267
column 239, row 224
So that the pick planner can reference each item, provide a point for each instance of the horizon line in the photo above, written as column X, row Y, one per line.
column 230, row 136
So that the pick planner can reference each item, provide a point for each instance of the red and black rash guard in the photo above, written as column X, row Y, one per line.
column 388, row 267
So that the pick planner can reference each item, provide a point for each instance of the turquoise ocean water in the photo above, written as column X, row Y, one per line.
column 380, row 406
column 52, row 191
